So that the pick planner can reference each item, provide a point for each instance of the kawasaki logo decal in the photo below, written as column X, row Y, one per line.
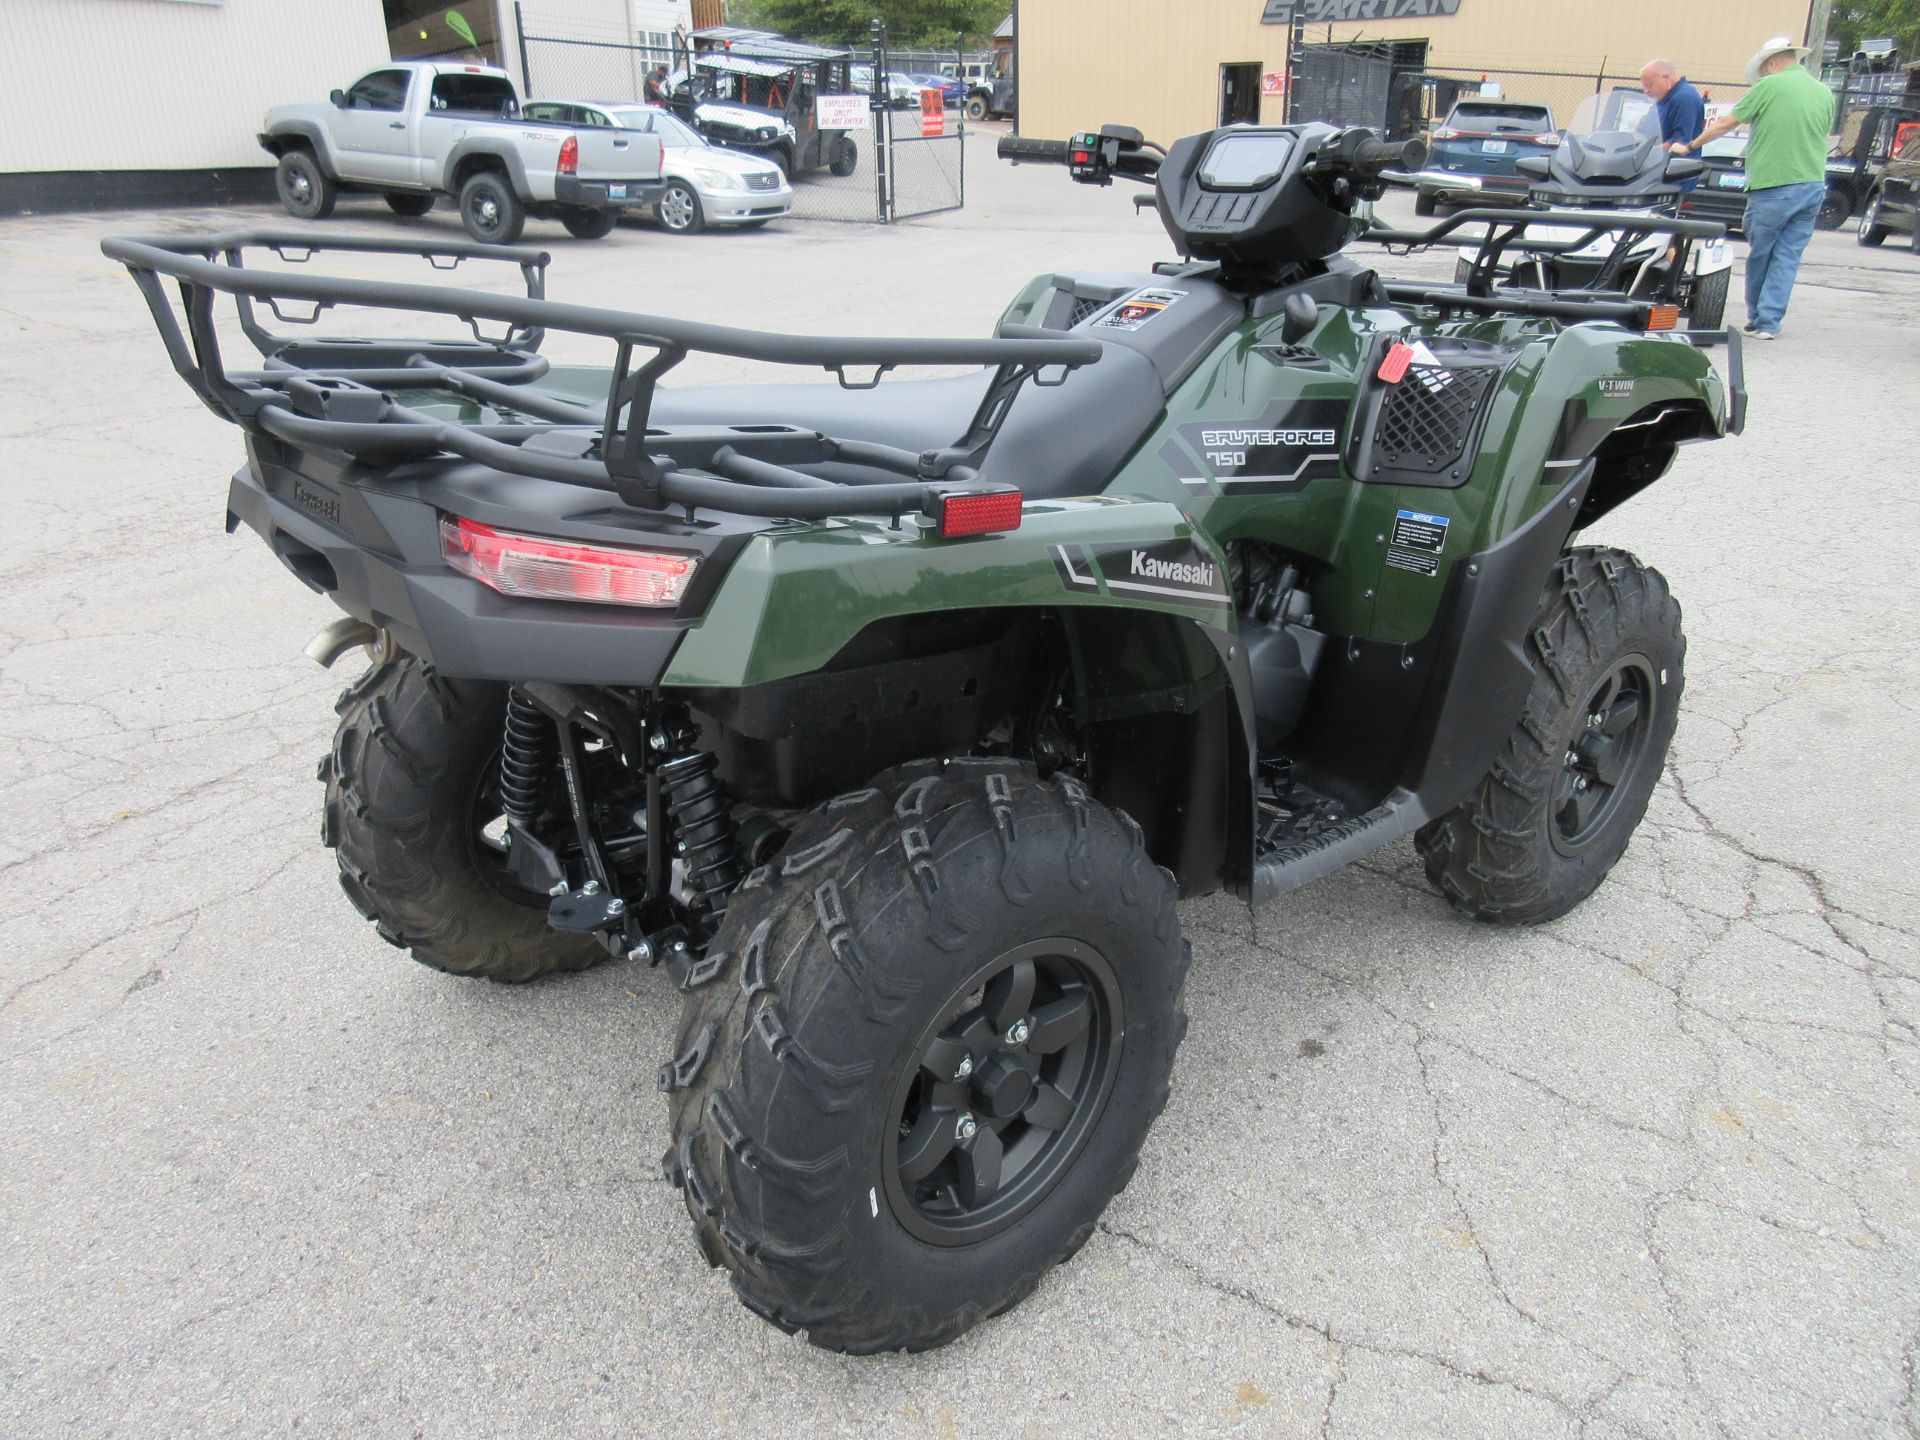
column 1170, row 569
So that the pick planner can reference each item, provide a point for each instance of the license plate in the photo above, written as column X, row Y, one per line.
column 616, row 192
column 1730, row 182
column 1493, row 147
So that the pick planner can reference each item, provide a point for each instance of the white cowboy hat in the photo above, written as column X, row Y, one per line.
column 1767, row 51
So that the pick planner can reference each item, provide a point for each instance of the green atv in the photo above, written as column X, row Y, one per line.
column 892, row 720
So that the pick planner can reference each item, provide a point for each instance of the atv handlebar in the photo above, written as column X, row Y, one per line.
column 1378, row 155
column 1053, row 152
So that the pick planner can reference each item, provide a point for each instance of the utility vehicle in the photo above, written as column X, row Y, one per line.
column 891, row 718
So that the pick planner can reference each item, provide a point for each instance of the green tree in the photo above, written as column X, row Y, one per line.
column 909, row 22
column 1853, row 21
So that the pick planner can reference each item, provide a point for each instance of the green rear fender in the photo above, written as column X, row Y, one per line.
column 794, row 598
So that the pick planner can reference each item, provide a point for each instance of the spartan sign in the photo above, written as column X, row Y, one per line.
column 1315, row 12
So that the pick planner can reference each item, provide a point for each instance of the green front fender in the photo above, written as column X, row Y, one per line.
column 794, row 597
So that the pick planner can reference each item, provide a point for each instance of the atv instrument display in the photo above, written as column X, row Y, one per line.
column 890, row 717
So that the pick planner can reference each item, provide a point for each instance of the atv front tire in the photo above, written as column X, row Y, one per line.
column 1541, row 831
column 923, row 1052
column 408, row 782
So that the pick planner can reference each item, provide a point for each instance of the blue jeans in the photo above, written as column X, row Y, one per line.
column 1779, row 224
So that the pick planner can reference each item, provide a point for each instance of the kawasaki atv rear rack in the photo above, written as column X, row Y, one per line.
column 338, row 393
column 1506, row 228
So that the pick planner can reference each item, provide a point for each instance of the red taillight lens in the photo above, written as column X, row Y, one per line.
column 979, row 512
column 531, row 568
column 1553, row 140
column 1446, row 132
column 569, row 157
column 1663, row 317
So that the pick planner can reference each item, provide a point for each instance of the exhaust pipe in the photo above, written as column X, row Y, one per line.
column 340, row 636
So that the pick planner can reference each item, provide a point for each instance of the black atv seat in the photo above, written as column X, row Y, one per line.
column 1057, row 440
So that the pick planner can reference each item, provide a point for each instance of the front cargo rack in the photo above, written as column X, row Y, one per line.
column 1508, row 229
column 337, row 394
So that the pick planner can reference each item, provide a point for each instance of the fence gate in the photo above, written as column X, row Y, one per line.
column 903, row 167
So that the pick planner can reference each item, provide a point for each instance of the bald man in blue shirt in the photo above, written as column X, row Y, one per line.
column 1683, row 114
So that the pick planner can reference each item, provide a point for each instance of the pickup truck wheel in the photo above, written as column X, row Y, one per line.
column 1872, row 230
column 976, row 108
column 306, row 191
column 410, row 807
column 490, row 210
column 846, row 157
column 678, row 209
column 1568, row 789
column 588, row 224
column 408, row 204
column 923, row 1052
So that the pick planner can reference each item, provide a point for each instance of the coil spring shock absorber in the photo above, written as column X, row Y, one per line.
column 527, row 751
column 704, row 825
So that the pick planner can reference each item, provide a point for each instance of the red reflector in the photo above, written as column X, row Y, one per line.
column 569, row 156
column 1393, row 368
column 530, row 568
column 1663, row 317
column 979, row 512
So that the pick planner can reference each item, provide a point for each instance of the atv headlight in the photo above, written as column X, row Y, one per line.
column 717, row 179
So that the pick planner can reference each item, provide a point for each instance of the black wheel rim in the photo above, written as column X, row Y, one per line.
column 486, row 212
column 1605, row 755
column 1008, row 1079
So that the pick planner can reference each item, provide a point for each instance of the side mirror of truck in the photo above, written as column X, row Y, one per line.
column 339, row 99
column 1684, row 167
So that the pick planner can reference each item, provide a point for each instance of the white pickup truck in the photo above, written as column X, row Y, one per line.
column 418, row 130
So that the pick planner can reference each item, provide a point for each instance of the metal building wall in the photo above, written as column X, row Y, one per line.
column 167, row 84
column 1156, row 65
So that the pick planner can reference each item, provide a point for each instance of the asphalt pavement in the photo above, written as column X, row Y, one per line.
column 1651, row 1170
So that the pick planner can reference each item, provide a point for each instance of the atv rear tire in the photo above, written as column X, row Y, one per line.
column 1541, row 831
column 862, row 1175
column 1708, row 308
column 407, row 781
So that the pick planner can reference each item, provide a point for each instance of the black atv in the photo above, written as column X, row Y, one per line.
column 891, row 719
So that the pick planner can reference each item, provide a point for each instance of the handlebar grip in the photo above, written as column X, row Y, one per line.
column 1013, row 147
column 1391, row 154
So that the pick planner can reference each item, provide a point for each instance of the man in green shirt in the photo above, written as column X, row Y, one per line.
column 1791, row 113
